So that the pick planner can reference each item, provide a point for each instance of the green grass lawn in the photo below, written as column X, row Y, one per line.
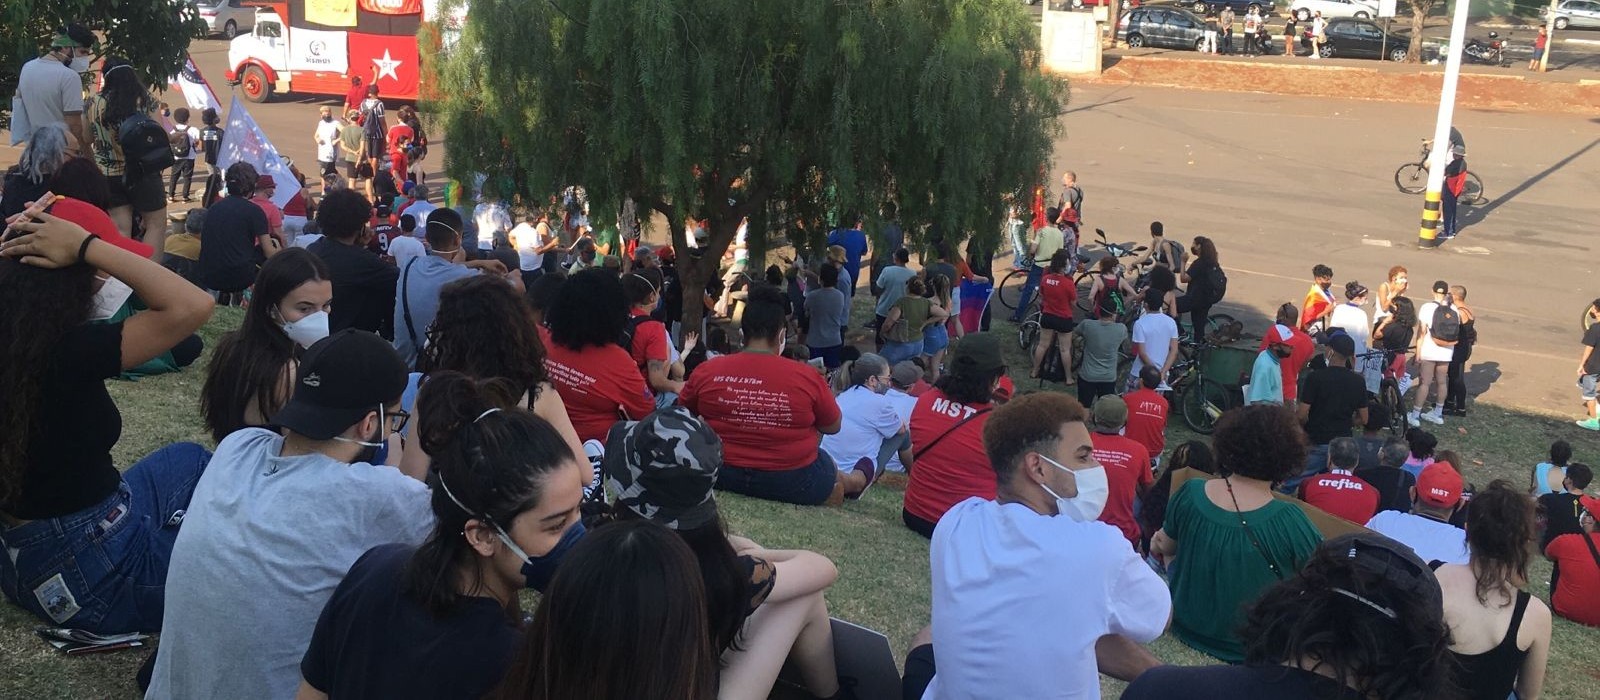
column 883, row 567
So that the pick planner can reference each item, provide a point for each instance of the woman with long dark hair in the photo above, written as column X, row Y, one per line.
column 442, row 619
column 80, row 178
column 764, row 607
column 86, row 547
column 252, row 369
column 1499, row 632
column 1193, row 454
column 1202, row 277
column 122, row 96
column 1058, row 293
column 625, row 619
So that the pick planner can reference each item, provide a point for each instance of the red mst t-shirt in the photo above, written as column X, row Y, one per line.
column 1147, row 419
column 1343, row 494
column 649, row 343
column 1127, row 466
column 1058, row 293
column 955, row 469
column 1302, row 347
column 767, row 409
column 598, row 385
column 1577, row 595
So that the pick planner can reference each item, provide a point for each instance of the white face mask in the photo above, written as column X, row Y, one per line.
column 307, row 331
column 80, row 64
column 1093, row 490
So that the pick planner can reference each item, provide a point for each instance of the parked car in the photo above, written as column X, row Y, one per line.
column 1164, row 26
column 1360, row 9
column 229, row 18
column 1204, row 7
column 1359, row 38
column 1575, row 13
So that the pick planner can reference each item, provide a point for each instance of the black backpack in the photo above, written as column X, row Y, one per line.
column 1052, row 369
column 179, row 140
column 145, row 148
column 1219, row 284
column 1446, row 324
column 626, row 340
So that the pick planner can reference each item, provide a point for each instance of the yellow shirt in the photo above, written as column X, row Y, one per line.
column 1050, row 240
column 184, row 245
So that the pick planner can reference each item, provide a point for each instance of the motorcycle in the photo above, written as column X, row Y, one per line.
column 1490, row 52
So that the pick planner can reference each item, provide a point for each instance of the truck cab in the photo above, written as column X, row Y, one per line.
column 259, row 61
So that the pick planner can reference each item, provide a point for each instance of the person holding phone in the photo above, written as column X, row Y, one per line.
column 60, row 491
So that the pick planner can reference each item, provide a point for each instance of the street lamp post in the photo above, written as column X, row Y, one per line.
column 1549, row 37
column 1427, row 235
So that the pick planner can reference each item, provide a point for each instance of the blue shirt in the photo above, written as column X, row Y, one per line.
column 854, row 243
column 420, row 288
column 1266, row 380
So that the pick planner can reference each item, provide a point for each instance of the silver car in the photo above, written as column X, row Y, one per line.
column 1575, row 13
column 229, row 18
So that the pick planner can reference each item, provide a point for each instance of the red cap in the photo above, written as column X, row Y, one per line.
column 95, row 221
column 265, row 181
column 1591, row 504
column 1279, row 334
column 666, row 254
column 1439, row 485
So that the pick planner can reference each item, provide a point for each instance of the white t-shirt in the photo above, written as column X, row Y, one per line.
column 1353, row 320
column 1426, row 348
column 869, row 418
column 420, row 210
column 404, row 248
column 903, row 403
column 49, row 92
column 1154, row 332
column 194, row 140
column 492, row 218
column 1019, row 600
column 1429, row 538
column 527, row 240
column 328, row 141
column 265, row 541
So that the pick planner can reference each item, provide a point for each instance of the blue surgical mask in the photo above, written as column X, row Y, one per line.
column 538, row 571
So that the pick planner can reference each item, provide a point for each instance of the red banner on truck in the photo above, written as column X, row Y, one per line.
column 394, row 57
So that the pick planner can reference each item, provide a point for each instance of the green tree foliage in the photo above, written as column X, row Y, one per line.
column 152, row 34
column 728, row 109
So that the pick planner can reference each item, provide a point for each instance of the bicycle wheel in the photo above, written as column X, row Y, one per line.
column 1203, row 402
column 1009, row 290
column 1472, row 191
column 1391, row 400
column 1077, row 352
column 1411, row 178
column 1028, row 334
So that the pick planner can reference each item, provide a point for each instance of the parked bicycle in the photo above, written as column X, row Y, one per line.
column 1009, row 290
column 1200, row 399
column 1412, row 178
column 1389, row 396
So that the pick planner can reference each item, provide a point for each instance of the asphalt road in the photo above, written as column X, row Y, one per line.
column 1284, row 183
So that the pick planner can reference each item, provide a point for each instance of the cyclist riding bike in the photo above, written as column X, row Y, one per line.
column 1163, row 251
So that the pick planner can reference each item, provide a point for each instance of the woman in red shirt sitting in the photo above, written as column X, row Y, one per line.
column 1057, row 293
column 596, row 378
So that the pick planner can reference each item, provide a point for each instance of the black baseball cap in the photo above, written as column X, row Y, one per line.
column 342, row 378
column 1440, row 287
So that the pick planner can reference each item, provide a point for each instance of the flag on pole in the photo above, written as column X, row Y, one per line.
column 196, row 91
column 243, row 140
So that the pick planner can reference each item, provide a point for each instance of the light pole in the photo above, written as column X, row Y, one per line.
column 1549, row 37
column 1427, row 235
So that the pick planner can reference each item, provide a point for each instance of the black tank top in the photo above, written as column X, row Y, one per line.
column 1492, row 675
column 1469, row 333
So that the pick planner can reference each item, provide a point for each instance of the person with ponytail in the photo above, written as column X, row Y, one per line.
column 442, row 619
column 251, row 372
column 872, row 431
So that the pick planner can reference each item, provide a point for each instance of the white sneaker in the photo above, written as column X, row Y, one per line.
column 1414, row 417
column 1435, row 417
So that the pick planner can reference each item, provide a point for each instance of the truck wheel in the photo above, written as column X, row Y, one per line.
column 230, row 30
column 256, row 87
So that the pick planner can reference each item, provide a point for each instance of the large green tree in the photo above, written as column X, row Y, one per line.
column 777, row 111
column 152, row 34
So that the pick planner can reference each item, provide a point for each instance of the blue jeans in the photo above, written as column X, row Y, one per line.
column 1447, row 215
column 809, row 485
column 1035, row 273
column 104, row 568
column 896, row 352
column 1316, row 463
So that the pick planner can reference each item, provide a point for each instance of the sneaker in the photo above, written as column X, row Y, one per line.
column 1435, row 417
column 866, row 466
column 1591, row 424
column 1414, row 417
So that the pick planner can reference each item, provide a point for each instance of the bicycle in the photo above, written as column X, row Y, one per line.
column 1201, row 400
column 1389, row 396
column 1412, row 178
column 1009, row 290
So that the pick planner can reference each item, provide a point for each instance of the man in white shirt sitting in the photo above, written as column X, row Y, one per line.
column 1030, row 592
column 1427, row 529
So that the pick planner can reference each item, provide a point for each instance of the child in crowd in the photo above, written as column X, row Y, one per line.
column 1422, row 444
column 1547, row 476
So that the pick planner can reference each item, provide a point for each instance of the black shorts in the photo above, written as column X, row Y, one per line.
column 1059, row 324
column 920, row 669
column 350, row 170
column 376, row 147
column 328, row 167
column 145, row 193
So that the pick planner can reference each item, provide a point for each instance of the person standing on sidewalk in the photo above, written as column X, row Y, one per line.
column 1070, row 213
column 211, row 148
column 1455, row 397
column 1319, row 34
column 185, row 141
column 1439, row 328
column 1208, row 44
column 1589, row 368
column 326, row 136
column 1252, row 29
column 1226, row 31
column 1455, row 181
column 1289, row 38
column 1539, row 44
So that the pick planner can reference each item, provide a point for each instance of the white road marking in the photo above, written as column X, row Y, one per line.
column 1380, row 242
column 1468, row 250
column 1257, row 114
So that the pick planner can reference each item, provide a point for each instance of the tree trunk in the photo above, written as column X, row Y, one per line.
column 1419, row 15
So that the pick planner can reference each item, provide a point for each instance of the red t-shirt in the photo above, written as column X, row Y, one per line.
column 1058, row 293
column 398, row 131
column 598, row 385
column 767, row 409
column 1127, row 466
column 1343, row 494
column 955, row 469
column 920, row 388
column 397, row 163
column 354, row 97
column 649, row 343
column 1577, row 595
column 274, row 214
column 1147, row 419
column 1301, row 348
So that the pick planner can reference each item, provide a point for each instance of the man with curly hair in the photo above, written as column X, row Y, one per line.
column 363, row 283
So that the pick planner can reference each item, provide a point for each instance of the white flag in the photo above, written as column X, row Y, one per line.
column 196, row 91
column 316, row 50
column 243, row 140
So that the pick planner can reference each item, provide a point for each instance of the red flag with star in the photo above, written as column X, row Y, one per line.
column 393, row 57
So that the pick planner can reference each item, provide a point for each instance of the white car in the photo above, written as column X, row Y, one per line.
column 1575, row 13
column 229, row 18
column 1360, row 9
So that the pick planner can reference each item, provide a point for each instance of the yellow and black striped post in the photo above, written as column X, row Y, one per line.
column 1428, row 235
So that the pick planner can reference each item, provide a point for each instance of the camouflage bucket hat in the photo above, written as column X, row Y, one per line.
column 663, row 467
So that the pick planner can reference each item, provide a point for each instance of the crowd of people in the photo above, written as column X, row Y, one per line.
column 427, row 409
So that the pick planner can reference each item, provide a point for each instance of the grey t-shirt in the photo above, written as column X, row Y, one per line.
column 1101, row 341
column 826, row 308
column 49, row 92
column 265, row 541
column 893, row 283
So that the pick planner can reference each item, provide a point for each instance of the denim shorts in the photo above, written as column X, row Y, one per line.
column 934, row 339
column 104, row 568
column 809, row 485
column 1586, row 384
column 896, row 352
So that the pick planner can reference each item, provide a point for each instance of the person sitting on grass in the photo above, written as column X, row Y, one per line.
column 596, row 378
column 1575, row 564
column 1361, row 619
column 1427, row 527
column 770, row 413
column 1126, row 462
column 647, row 338
column 871, row 432
column 1393, row 483
column 278, row 519
column 1548, row 476
column 1422, row 444
column 1227, row 539
column 1152, row 511
column 252, row 369
column 1560, row 511
column 1339, row 492
column 764, row 607
column 88, row 545
column 362, row 282
column 442, row 619
column 947, row 434
column 994, row 635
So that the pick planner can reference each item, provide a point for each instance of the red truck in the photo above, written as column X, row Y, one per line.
column 315, row 47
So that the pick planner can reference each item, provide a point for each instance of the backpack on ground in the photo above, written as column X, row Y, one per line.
column 1446, row 324
column 1219, row 284
column 145, row 148
column 180, row 142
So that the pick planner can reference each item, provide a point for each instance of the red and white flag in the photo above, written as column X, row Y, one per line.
column 243, row 140
column 196, row 91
